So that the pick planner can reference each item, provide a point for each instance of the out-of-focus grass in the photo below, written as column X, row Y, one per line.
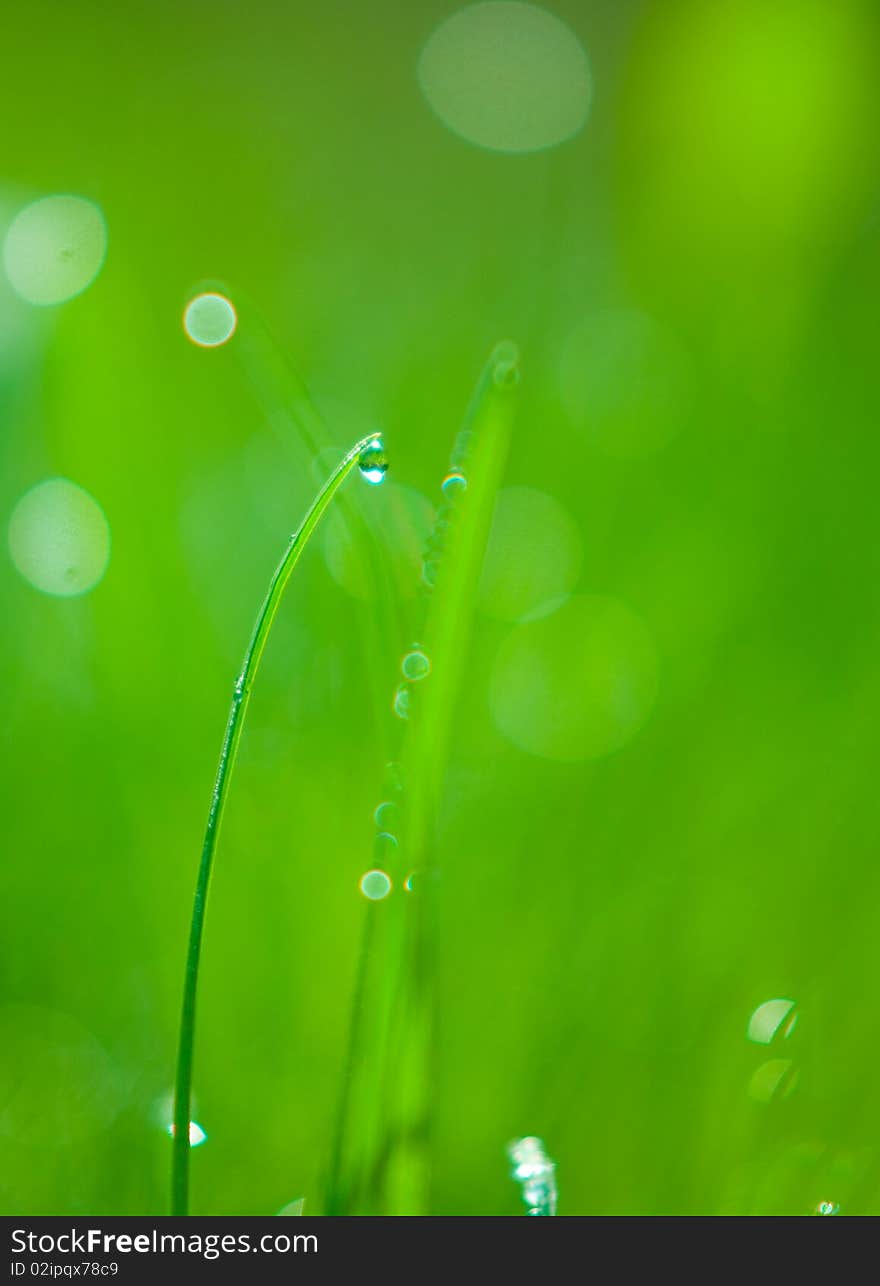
column 382, row 1159
column 606, row 927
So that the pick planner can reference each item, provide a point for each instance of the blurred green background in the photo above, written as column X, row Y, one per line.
column 660, row 812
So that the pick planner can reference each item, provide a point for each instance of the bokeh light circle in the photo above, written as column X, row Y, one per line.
column 533, row 555
column 577, row 684
column 375, row 885
column 210, row 320
column 54, row 249
column 626, row 381
column 59, row 539
column 507, row 76
column 58, row 1085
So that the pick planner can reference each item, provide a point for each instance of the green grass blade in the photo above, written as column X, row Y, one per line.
column 240, row 699
column 481, row 454
column 453, row 601
column 382, row 1116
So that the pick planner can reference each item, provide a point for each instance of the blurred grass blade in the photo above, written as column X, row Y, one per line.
column 379, row 1162
column 481, row 453
column 240, row 699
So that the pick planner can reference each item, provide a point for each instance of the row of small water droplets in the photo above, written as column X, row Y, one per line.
column 375, row 884
column 536, row 1173
column 415, row 665
column 415, row 668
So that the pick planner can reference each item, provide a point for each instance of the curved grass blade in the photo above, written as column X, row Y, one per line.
column 302, row 432
column 232, row 737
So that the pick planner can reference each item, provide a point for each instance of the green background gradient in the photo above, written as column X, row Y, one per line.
column 693, row 281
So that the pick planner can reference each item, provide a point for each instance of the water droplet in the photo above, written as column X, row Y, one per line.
column 534, row 1170
column 384, row 846
column 537, row 1193
column 373, row 462
column 454, row 483
column 386, row 816
column 430, row 568
column 772, row 1018
column 412, row 882
column 827, row 1208
column 375, row 885
column 197, row 1135
column 415, row 665
column 400, row 705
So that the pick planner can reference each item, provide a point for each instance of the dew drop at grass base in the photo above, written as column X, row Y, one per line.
column 373, row 463
column 197, row 1135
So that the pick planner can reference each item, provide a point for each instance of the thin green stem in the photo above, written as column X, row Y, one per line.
column 240, row 698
